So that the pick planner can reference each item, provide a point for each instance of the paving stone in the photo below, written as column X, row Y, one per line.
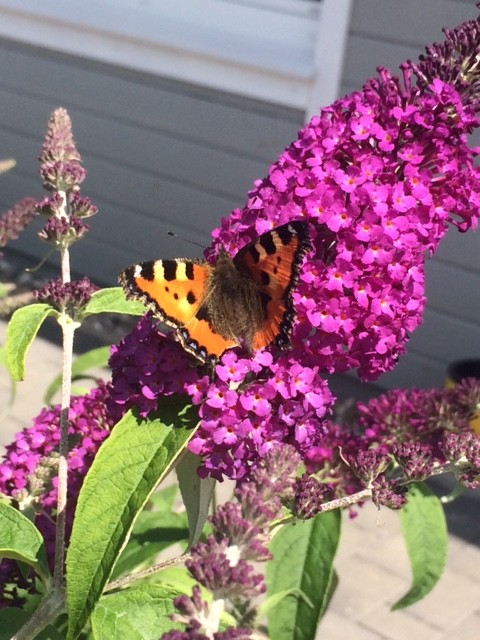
column 374, row 536
column 374, row 572
column 335, row 627
column 465, row 558
column 453, row 598
column 467, row 629
column 363, row 585
column 399, row 625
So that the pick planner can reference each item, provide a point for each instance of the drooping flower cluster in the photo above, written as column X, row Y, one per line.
column 222, row 564
column 378, row 177
column 402, row 436
column 29, row 469
column 16, row 219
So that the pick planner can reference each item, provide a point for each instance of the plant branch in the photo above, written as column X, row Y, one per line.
column 340, row 503
column 48, row 610
column 68, row 330
column 122, row 582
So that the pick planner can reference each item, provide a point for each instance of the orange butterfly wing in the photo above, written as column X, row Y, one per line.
column 273, row 262
column 199, row 338
column 174, row 290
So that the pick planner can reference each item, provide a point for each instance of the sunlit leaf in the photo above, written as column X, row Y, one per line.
column 425, row 532
column 126, row 469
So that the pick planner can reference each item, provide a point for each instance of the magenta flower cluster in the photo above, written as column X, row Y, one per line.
column 284, row 402
column 385, row 171
column 378, row 177
column 28, row 472
column 145, row 366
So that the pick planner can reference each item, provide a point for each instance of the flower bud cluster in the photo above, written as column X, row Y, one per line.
column 62, row 173
column 402, row 436
column 68, row 297
column 222, row 564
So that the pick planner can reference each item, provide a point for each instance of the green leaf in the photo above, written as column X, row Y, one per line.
column 196, row 493
column 89, row 360
column 21, row 540
column 182, row 580
column 140, row 613
column 164, row 499
column 274, row 600
column 125, row 471
column 303, row 555
column 424, row 528
column 12, row 619
column 21, row 331
column 113, row 300
column 152, row 533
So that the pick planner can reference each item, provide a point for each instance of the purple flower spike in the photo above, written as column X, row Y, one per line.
column 15, row 220
column 60, row 161
column 59, row 144
column 378, row 177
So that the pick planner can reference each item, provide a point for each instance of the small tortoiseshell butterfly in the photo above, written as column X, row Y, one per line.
column 241, row 301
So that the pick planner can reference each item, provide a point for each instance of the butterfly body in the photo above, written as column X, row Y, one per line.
column 233, row 302
column 241, row 301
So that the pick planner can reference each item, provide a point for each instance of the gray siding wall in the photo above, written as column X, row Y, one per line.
column 161, row 156
column 164, row 156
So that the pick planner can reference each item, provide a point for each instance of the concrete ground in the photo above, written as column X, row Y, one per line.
column 372, row 564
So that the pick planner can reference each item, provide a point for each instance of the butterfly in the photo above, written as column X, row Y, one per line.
column 241, row 301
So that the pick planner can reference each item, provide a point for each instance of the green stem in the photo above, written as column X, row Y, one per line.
column 47, row 611
column 339, row 503
column 68, row 330
column 160, row 566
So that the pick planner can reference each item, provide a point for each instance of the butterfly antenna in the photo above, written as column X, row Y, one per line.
column 176, row 235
